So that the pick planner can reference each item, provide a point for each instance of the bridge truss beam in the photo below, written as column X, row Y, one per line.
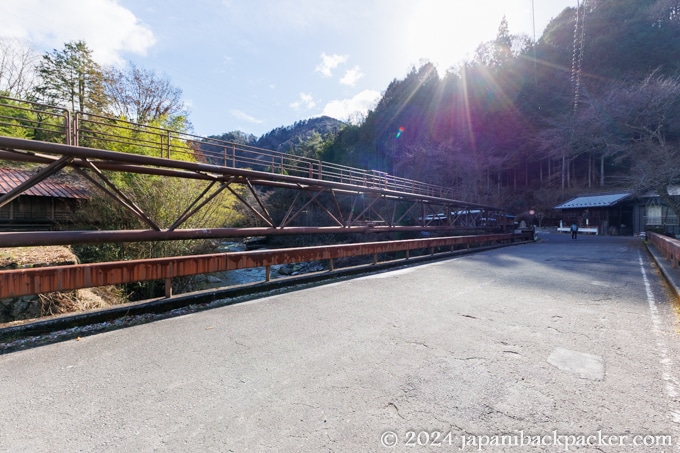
column 348, row 208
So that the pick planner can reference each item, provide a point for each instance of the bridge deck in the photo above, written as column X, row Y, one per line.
column 554, row 338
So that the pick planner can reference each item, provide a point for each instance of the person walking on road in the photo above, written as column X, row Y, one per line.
column 574, row 230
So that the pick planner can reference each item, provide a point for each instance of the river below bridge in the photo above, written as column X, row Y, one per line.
column 250, row 275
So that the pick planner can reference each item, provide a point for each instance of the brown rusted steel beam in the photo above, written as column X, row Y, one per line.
column 97, row 159
column 116, row 194
column 11, row 143
column 41, row 238
column 203, row 199
column 22, row 282
column 45, row 173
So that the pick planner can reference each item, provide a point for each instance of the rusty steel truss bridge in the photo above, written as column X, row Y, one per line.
column 95, row 147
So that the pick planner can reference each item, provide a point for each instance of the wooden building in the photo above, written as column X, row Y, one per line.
column 620, row 214
column 44, row 206
column 605, row 214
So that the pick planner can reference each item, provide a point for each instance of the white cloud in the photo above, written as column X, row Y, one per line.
column 345, row 109
column 330, row 62
column 108, row 28
column 306, row 100
column 244, row 116
column 351, row 76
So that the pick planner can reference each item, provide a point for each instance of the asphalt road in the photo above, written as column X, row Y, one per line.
column 528, row 348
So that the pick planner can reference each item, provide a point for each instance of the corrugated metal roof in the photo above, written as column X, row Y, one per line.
column 11, row 178
column 593, row 201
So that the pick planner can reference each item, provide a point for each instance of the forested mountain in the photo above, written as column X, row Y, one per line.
column 300, row 136
column 288, row 139
column 591, row 106
column 304, row 138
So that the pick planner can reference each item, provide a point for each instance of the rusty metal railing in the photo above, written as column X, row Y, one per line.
column 669, row 247
column 38, row 121
column 48, row 123
column 22, row 282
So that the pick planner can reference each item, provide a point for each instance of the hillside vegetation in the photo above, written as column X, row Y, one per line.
column 592, row 107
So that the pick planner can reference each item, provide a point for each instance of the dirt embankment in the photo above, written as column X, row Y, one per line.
column 30, row 307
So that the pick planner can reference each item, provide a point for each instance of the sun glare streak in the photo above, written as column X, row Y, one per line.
column 466, row 111
column 405, row 102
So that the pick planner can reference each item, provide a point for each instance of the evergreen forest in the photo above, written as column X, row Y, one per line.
column 592, row 106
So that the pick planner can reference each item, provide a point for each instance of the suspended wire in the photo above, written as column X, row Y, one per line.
column 577, row 57
column 576, row 69
column 533, row 22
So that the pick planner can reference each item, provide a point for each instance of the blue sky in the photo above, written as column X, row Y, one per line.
column 254, row 65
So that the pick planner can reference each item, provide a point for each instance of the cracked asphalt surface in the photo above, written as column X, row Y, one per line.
column 554, row 338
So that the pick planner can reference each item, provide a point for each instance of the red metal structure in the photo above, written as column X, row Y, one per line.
column 353, row 200
column 23, row 282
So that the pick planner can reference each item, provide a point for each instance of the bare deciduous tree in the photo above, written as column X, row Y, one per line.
column 141, row 96
column 18, row 60
column 647, row 115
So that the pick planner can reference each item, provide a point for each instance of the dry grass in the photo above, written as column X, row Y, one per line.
column 60, row 302
column 81, row 300
column 18, row 257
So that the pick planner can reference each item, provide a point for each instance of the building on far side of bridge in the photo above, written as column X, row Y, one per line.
column 44, row 206
column 619, row 214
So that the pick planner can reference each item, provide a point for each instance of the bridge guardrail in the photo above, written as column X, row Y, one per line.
column 669, row 247
column 24, row 282
column 48, row 123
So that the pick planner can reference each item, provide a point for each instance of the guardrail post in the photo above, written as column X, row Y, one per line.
column 168, row 287
column 76, row 130
column 267, row 273
column 67, row 126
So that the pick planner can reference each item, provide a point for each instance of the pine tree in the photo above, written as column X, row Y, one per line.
column 72, row 79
